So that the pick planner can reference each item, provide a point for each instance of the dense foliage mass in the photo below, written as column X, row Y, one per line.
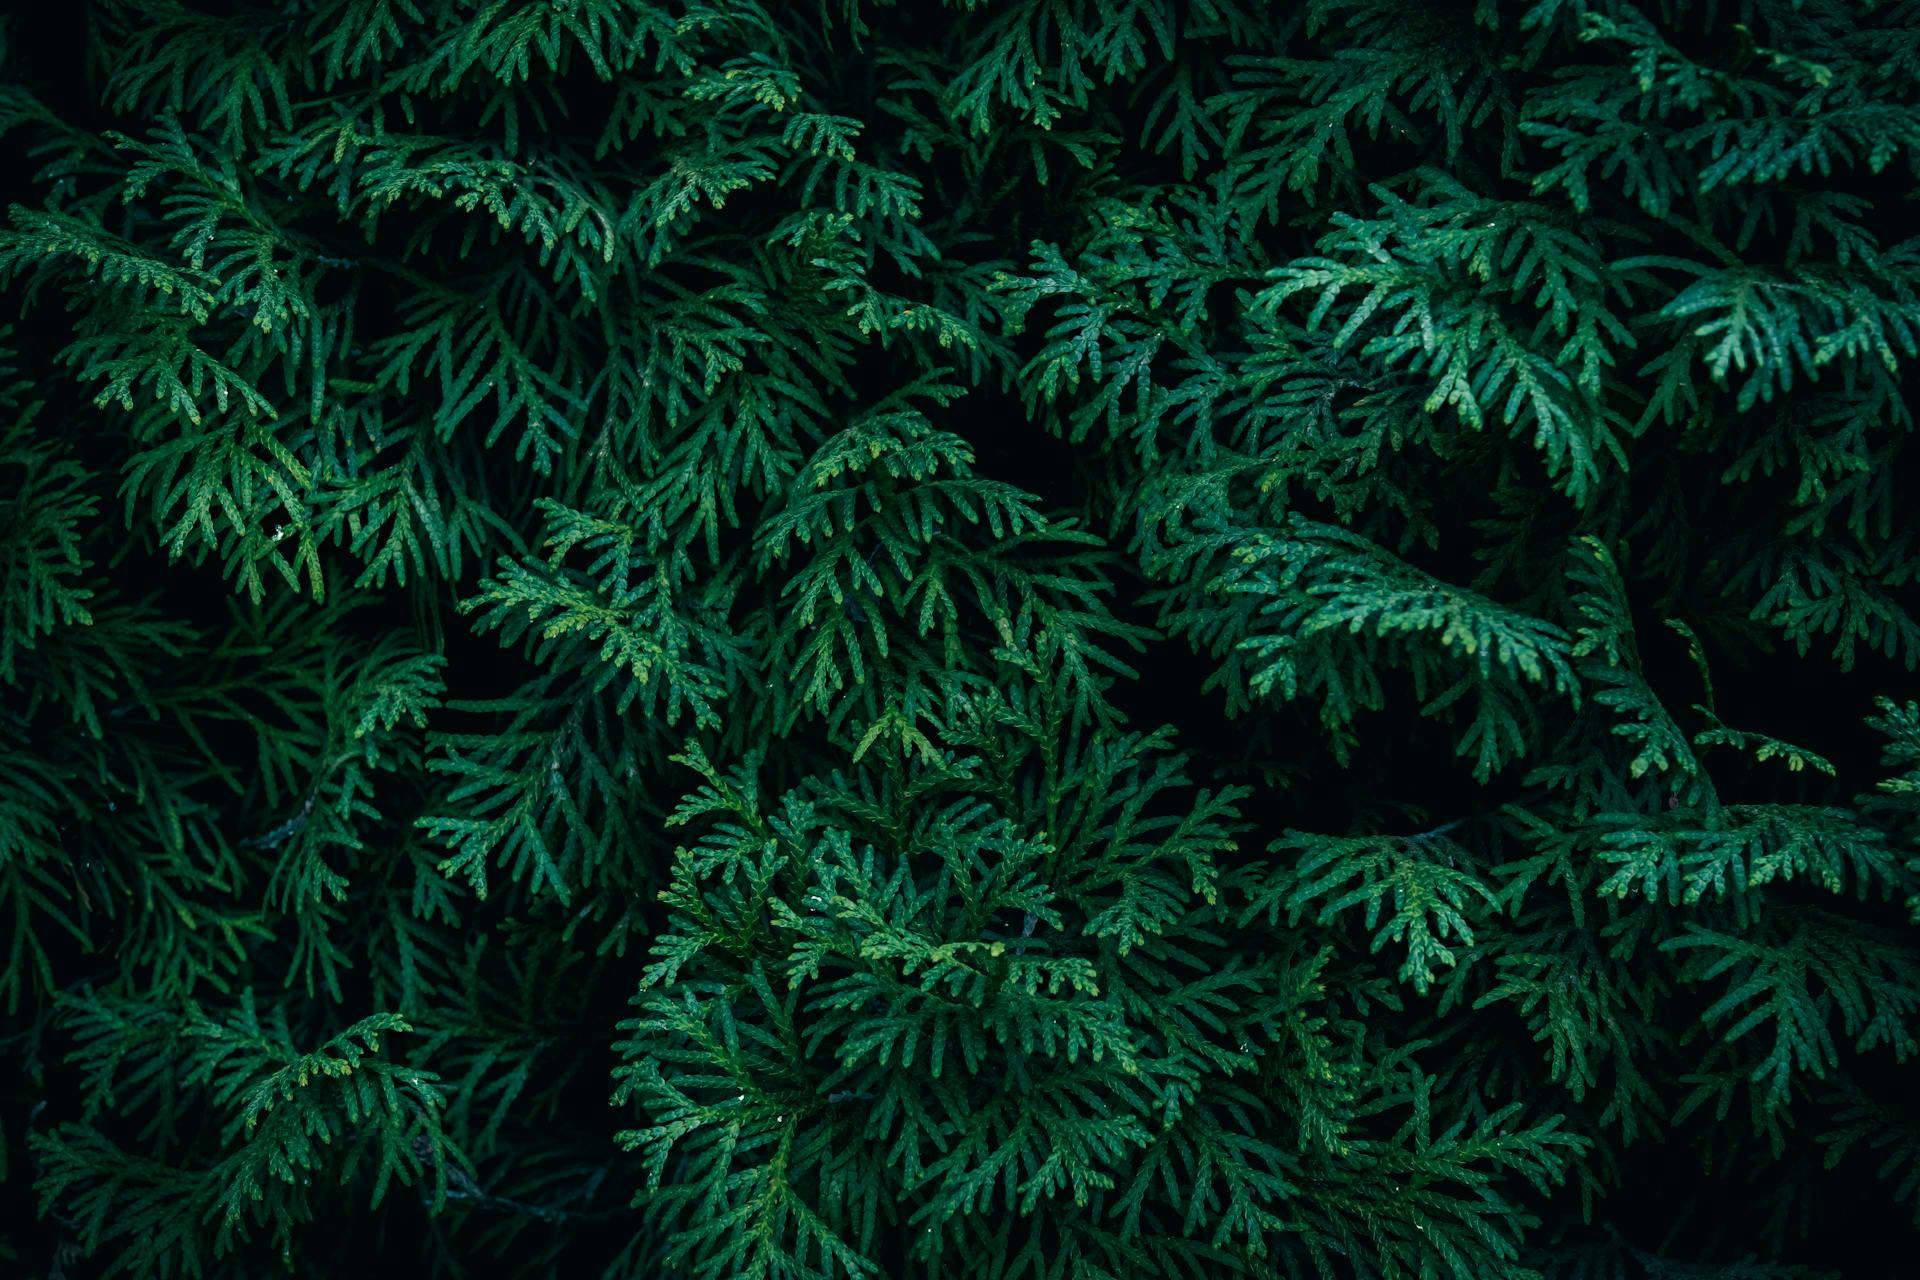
column 989, row 638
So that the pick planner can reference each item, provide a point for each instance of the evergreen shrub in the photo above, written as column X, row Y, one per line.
column 1069, row 639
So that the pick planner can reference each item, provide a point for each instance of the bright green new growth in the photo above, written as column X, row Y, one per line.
column 1020, row 638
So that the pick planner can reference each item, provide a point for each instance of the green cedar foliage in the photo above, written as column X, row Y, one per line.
column 960, row 638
